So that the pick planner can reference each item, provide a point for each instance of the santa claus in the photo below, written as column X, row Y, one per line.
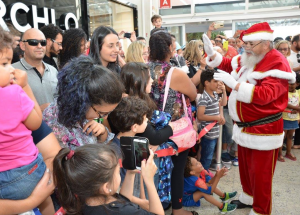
column 259, row 81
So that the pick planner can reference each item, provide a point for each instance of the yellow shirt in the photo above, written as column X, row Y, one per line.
column 293, row 100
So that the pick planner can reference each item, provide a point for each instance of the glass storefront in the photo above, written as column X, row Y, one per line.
column 256, row 4
column 217, row 7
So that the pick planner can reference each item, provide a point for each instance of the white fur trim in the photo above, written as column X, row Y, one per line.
column 258, row 142
column 216, row 62
column 258, row 36
column 234, row 74
column 246, row 199
column 275, row 73
column 252, row 212
column 245, row 92
column 234, row 62
column 232, row 106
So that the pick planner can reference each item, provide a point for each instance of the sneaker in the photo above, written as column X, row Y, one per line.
column 226, row 157
column 228, row 208
column 235, row 161
column 228, row 196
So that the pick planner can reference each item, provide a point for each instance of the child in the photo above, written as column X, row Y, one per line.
column 21, row 165
column 156, row 22
column 198, row 184
column 208, row 111
column 88, row 179
column 290, row 122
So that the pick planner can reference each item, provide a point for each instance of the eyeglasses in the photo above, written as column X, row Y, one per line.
column 34, row 42
column 218, row 41
column 245, row 44
column 284, row 49
column 60, row 44
column 101, row 115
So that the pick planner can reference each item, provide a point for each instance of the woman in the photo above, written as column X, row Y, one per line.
column 194, row 54
column 137, row 52
column 73, row 45
column 161, row 50
column 284, row 48
column 87, row 93
column 104, row 48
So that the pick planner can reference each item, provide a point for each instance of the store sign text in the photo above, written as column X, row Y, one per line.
column 35, row 17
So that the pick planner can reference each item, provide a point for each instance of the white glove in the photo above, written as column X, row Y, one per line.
column 226, row 78
column 208, row 47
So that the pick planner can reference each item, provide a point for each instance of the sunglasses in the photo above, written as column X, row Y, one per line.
column 34, row 42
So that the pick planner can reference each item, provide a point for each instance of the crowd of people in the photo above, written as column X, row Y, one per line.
column 67, row 102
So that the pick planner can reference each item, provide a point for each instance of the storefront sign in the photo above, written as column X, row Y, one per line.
column 36, row 17
column 165, row 4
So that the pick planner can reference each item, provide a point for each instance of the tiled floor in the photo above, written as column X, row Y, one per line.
column 286, row 189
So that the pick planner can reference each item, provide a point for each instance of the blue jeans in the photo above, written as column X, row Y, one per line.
column 207, row 151
column 19, row 183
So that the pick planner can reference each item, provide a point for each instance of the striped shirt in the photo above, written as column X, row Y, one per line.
column 211, row 108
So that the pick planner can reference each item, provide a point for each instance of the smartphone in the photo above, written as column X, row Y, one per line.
column 219, row 24
column 225, row 45
column 135, row 149
column 127, row 35
column 141, row 151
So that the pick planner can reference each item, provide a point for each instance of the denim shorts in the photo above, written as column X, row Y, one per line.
column 19, row 183
column 290, row 125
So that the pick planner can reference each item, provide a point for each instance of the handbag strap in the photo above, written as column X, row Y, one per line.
column 168, row 152
column 167, row 87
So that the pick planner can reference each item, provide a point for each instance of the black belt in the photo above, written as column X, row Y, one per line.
column 262, row 121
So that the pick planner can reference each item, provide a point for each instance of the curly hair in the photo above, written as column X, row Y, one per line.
column 135, row 77
column 51, row 31
column 6, row 39
column 206, row 75
column 187, row 168
column 131, row 110
column 135, row 52
column 81, row 84
column 71, row 45
column 96, row 44
column 192, row 52
column 159, row 43
column 94, row 164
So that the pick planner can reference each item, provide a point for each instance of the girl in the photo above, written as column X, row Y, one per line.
column 290, row 122
column 137, row 52
column 104, row 48
column 87, row 93
column 21, row 165
column 161, row 50
column 89, row 177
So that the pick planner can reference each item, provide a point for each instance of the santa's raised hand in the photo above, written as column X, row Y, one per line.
column 226, row 78
column 208, row 46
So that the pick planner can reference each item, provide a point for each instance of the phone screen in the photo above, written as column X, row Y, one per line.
column 141, row 151
column 127, row 35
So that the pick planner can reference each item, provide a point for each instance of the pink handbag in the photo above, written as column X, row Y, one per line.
column 184, row 134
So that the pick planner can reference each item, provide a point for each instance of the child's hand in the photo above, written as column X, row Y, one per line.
column 221, row 172
column 294, row 112
column 95, row 128
column 149, row 168
column 20, row 78
column 222, row 120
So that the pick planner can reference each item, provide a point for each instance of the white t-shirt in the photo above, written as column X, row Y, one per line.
column 293, row 59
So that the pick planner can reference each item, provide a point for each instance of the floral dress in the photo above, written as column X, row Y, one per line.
column 73, row 137
column 174, row 106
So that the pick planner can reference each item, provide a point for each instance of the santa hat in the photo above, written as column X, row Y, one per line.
column 259, row 31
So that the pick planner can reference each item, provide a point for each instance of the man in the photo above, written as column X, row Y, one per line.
column 218, row 42
column 54, row 36
column 259, row 82
column 42, row 78
column 295, row 53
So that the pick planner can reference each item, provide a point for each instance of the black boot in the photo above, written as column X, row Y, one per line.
column 240, row 205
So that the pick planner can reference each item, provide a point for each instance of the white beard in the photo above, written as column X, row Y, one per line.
column 250, row 61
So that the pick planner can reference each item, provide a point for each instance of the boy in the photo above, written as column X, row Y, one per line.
column 156, row 22
column 129, row 118
column 198, row 184
column 208, row 111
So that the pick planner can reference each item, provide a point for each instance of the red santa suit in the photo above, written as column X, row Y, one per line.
column 263, row 92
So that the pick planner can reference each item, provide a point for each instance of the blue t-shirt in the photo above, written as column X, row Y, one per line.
column 191, row 185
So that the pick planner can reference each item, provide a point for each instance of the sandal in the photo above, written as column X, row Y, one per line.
column 296, row 147
column 281, row 159
column 291, row 157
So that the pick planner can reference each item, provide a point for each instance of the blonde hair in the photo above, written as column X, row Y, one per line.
column 192, row 52
column 284, row 42
column 135, row 52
